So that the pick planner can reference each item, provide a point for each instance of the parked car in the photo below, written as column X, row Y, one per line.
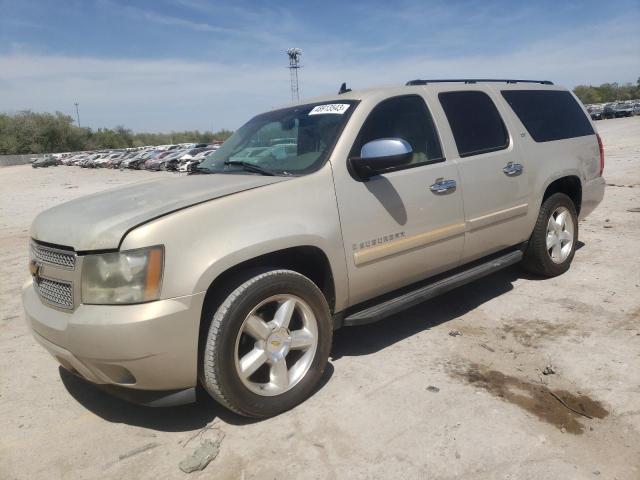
column 608, row 111
column 596, row 112
column 73, row 159
column 381, row 205
column 170, row 162
column 155, row 161
column 189, row 154
column 636, row 108
column 47, row 161
column 90, row 161
column 134, row 161
column 623, row 109
column 115, row 162
column 138, row 162
column 105, row 160
column 188, row 163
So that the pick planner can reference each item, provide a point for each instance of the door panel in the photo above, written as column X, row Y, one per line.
column 493, row 172
column 396, row 229
column 496, row 204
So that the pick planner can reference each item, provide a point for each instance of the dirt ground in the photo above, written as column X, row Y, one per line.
column 401, row 399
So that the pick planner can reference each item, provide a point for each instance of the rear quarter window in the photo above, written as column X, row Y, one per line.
column 549, row 115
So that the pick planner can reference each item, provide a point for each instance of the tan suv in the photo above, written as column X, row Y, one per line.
column 336, row 211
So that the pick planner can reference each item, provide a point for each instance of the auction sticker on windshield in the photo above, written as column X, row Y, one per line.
column 338, row 108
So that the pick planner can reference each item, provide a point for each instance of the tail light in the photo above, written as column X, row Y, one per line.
column 601, row 148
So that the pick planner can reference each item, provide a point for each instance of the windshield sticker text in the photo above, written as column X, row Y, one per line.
column 338, row 108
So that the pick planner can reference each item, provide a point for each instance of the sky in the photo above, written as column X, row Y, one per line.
column 168, row 65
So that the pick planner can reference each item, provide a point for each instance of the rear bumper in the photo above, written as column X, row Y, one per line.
column 592, row 195
column 151, row 346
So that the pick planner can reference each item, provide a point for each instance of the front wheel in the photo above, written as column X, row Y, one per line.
column 554, row 238
column 268, row 344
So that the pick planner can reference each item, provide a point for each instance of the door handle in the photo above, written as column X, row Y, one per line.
column 513, row 169
column 442, row 185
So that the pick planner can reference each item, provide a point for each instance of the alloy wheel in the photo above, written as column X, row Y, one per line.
column 560, row 231
column 276, row 345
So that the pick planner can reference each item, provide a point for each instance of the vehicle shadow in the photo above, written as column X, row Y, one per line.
column 348, row 341
column 182, row 418
column 367, row 339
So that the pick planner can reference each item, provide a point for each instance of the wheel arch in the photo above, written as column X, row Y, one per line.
column 308, row 260
column 570, row 185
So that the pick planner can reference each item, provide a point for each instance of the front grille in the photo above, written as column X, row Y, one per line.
column 56, row 293
column 53, row 256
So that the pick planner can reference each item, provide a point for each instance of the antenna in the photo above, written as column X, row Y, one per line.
column 294, row 64
column 77, row 113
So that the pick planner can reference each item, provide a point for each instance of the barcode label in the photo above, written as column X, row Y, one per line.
column 338, row 108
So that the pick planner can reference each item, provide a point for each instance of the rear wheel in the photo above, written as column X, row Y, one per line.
column 268, row 344
column 553, row 241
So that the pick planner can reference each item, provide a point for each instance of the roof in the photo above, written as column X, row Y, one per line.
column 420, row 85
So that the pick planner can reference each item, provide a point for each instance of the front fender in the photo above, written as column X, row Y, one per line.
column 203, row 241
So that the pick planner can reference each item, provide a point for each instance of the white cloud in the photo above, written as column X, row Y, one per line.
column 161, row 95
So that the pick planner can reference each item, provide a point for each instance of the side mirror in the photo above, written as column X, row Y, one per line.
column 380, row 155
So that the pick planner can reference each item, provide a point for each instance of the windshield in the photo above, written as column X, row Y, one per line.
column 291, row 141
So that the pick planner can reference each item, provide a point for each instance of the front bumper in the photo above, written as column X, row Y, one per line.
column 592, row 195
column 150, row 346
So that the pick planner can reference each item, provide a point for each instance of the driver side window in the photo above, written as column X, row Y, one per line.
column 405, row 117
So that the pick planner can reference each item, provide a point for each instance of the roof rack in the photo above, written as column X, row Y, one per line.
column 477, row 80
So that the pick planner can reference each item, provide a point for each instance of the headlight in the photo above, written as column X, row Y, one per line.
column 133, row 276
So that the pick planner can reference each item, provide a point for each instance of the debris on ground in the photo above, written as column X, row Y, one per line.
column 203, row 454
column 487, row 347
column 548, row 370
column 455, row 333
column 578, row 412
column 634, row 210
column 433, row 388
column 138, row 450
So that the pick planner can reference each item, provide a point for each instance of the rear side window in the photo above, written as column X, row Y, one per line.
column 549, row 114
column 475, row 122
column 404, row 117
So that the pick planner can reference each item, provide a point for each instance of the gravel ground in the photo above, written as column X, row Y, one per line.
column 403, row 398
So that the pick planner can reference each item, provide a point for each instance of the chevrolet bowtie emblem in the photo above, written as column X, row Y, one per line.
column 34, row 268
column 275, row 343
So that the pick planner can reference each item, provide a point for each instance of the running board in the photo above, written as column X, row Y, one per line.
column 414, row 297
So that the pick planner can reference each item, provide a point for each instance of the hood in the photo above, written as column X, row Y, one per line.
column 99, row 221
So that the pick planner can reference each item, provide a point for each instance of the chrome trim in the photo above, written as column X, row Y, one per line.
column 53, row 256
column 443, row 186
column 385, row 147
column 55, row 292
column 513, row 169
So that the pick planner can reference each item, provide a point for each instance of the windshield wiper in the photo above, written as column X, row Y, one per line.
column 251, row 167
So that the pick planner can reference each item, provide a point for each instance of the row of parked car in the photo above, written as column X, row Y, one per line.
column 180, row 157
column 602, row 111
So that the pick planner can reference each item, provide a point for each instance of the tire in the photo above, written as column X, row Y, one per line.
column 233, row 341
column 555, row 260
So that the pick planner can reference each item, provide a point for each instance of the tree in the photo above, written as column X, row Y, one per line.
column 29, row 132
column 587, row 94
